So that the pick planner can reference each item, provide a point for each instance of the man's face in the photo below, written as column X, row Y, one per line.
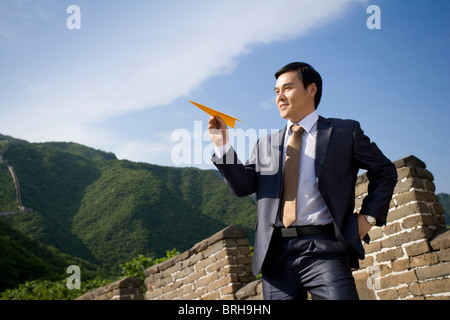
column 293, row 100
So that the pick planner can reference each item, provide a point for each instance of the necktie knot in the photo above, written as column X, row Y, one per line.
column 297, row 128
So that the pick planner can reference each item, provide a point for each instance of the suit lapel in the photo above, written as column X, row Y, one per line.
column 281, row 137
column 324, row 130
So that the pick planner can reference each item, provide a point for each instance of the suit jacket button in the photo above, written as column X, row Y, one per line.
column 272, row 225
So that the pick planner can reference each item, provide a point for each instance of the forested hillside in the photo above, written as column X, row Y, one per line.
column 89, row 205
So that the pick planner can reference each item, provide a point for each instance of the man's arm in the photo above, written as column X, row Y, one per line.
column 382, row 176
column 239, row 178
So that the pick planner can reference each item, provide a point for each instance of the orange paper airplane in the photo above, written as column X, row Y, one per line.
column 229, row 120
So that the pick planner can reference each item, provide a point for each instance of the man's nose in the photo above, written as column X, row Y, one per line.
column 281, row 97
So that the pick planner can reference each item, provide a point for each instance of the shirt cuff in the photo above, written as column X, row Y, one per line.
column 220, row 151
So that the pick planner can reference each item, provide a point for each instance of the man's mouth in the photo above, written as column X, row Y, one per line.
column 283, row 106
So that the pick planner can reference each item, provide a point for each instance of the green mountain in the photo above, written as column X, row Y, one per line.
column 23, row 259
column 88, row 204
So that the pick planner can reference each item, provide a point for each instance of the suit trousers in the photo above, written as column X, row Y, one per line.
column 316, row 263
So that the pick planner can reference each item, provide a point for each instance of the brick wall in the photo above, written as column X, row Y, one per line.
column 214, row 268
column 409, row 258
column 128, row 288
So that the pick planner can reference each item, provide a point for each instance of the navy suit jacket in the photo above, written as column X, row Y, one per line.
column 341, row 150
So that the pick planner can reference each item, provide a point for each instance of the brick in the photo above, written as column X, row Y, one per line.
column 244, row 259
column 246, row 278
column 220, row 245
column 204, row 263
column 392, row 228
column 437, row 208
column 402, row 292
column 231, row 289
column 389, row 255
column 415, row 195
column 375, row 233
column 194, row 276
column 150, row 295
column 203, row 282
column 196, row 294
column 231, row 269
column 406, row 210
column 400, row 265
column 444, row 255
column 424, row 260
column 441, row 240
column 404, row 172
column 248, row 290
column 171, row 270
column 410, row 161
column 394, row 280
column 358, row 203
column 434, row 271
column 435, row 286
column 404, row 237
column 192, row 260
column 440, row 297
column 222, row 282
column 222, row 254
column 423, row 173
column 244, row 250
column 367, row 262
column 364, row 292
column 389, row 294
column 411, row 182
column 418, row 220
column 361, row 188
column 215, row 295
column 414, row 289
column 417, row 248
column 429, row 186
column 242, row 242
column 163, row 282
column 217, row 265
column 184, row 272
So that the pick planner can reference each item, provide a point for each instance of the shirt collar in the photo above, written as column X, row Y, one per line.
column 307, row 122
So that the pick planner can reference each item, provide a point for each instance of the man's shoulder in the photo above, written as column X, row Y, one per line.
column 338, row 122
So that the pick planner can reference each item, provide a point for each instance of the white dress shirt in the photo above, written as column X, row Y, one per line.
column 311, row 208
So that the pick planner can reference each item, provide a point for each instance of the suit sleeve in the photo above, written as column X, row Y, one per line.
column 240, row 178
column 381, row 173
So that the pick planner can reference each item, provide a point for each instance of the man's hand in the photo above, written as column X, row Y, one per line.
column 218, row 131
column 363, row 226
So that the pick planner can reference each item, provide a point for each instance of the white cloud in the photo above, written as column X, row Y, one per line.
column 168, row 58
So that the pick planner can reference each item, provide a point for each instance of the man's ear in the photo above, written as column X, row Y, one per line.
column 312, row 89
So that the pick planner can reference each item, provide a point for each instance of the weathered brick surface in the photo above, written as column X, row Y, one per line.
column 410, row 255
column 214, row 268
column 128, row 288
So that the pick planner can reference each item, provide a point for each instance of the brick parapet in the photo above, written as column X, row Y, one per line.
column 400, row 261
column 215, row 268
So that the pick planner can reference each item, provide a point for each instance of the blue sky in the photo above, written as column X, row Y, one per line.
column 122, row 82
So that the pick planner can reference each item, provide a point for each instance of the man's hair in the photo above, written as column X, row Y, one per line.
column 307, row 75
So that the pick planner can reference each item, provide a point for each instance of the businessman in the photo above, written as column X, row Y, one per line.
column 307, row 235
